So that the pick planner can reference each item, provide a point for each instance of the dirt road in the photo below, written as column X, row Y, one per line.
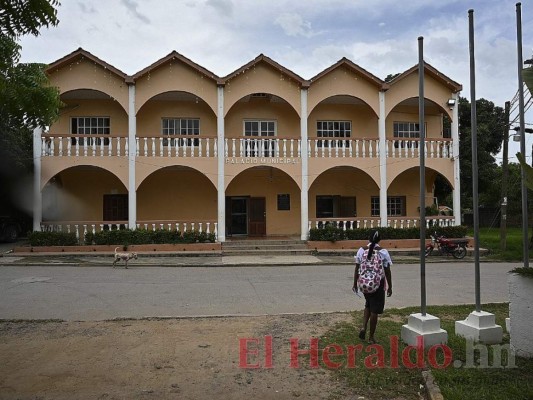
column 196, row 358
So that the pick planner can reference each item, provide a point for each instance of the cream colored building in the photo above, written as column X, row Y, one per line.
column 259, row 152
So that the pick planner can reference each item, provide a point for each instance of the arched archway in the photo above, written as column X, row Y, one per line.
column 343, row 193
column 263, row 201
column 176, row 194
column 263, row 115
column 85, row 193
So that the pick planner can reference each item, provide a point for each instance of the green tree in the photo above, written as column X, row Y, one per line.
column 490, row 129
column 26, row 99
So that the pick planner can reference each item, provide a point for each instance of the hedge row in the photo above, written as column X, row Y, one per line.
column 52, row 239
column 127, row 237
column 332, row 234
column 124, row 237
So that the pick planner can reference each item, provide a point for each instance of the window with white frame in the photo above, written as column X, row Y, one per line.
column 90, row 126
column 172, row 128
column 396, row 206
column 410, row 131
column 333, row 130
column 253, row 131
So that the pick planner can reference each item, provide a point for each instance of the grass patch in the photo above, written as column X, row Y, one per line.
column 394, row 379
column 489, row 238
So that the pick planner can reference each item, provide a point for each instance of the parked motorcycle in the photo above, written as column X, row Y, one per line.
column 445, row 246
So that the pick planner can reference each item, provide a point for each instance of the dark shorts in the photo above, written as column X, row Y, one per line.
column 376, row 301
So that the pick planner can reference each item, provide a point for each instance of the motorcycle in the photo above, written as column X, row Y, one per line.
column 445, row 246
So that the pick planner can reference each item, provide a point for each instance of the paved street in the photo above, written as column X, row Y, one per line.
column 97, row 293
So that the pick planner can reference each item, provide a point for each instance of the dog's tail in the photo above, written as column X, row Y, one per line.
column 116, row 249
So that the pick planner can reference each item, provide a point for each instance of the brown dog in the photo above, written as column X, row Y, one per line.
column 123, row 256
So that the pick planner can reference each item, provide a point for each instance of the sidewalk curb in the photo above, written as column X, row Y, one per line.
column 432, row 389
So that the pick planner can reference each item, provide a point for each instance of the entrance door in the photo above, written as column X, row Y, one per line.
column 237, row 215
column 257, row 216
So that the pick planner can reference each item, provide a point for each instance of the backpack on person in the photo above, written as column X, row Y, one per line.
column 370, row 272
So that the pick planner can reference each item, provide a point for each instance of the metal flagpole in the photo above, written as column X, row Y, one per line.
column 422, row 153
column 473, row 124
column 525, row 243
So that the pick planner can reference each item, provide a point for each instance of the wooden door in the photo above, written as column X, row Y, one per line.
column 257, row 222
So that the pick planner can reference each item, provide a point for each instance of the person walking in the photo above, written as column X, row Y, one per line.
column 372, row 277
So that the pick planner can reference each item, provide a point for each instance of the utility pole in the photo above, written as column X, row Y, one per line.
column 505, row 177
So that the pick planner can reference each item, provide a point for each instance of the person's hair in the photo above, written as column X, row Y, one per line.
column 374, row 239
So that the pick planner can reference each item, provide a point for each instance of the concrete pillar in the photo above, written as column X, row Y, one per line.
column 426, row 327
column 221, row 189
column 480, row 326
column 456, row 171
column 37, row 194
column 382, row 161
column 304, row 195
column 132, row 151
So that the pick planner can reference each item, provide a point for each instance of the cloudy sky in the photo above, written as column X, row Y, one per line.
column 305, row 36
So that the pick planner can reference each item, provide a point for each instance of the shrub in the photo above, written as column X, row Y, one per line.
column 128, row 237
column 333, row 234
column 38, row 238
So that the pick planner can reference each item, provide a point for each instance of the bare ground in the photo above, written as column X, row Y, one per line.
column 196, row 358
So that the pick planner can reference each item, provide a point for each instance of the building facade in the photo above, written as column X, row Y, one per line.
column 260, row 152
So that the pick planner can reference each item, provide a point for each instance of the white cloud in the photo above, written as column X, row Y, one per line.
column 224, row 7
column 294, row 25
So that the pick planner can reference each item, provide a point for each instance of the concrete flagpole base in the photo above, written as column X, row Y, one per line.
column 427, row 326
column 480, row 326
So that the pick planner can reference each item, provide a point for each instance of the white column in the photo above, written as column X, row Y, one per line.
column 304, row 195
column 221, row 189
column 382, row 161
column 37, row 194
column 132, row 151
column 456, row 171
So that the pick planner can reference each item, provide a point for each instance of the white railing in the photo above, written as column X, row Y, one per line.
column 204, row 146
column 353, row 148
column 180, row 226
column 83, row 146
column 374, row 222
column 345, row 223
column 413, row 222
column 409, row 148
column 262, row 147
column 81, row 228
column 177, row 146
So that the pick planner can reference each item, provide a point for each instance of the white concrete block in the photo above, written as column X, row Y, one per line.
column 427, row 326
column 477, row 326
column 521, row 314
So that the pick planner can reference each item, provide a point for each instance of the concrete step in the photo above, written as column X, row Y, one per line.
column 280, row 247
column 265, row 247
column 258, row 242
column 264, row 252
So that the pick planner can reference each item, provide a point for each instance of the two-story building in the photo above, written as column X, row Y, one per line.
column 259, row 152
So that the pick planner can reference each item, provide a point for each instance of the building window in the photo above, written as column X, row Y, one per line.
column 180, row 127
column 335, row 207
column 333, row 130
column 284, row 202
column 90, row 126
column 259, row 129
column 396, row 206
column 408, row 131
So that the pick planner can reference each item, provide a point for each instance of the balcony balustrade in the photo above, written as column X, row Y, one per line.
column 374, row 222
column 83, row 146
column 409, row 148
column 335, row 148
column 81, row 228
column 177, row 146
column 254, row 147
